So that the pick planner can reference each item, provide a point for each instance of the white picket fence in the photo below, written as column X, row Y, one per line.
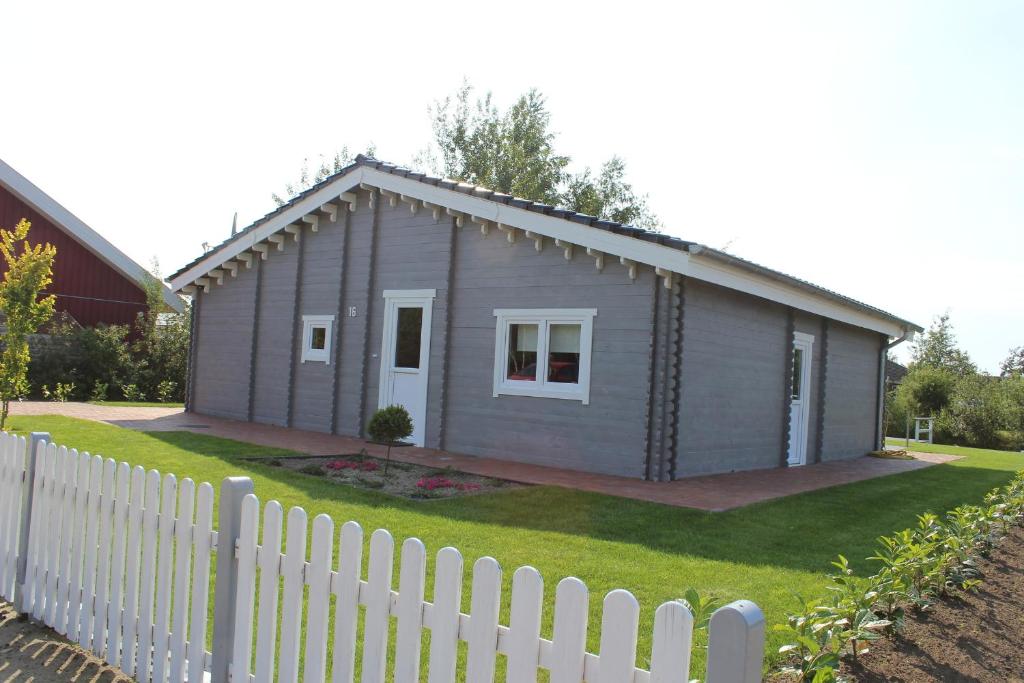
column 118, row 560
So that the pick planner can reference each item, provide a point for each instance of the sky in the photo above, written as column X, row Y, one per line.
column 874, row 148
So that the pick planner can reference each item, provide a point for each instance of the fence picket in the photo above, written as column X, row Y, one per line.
column 92, row 529
column 346, row 606
column 78, row 526
column 444, row 627
column 483, row 621
column 55, row 505
column 378, row 603
column 5, row 503
column 245, row 599
column 133, row 544
column 318, row 577
column 409, row 634
column 101, row 608
column 671, row 646
column 69, row 461
column 165, row 557
column 524, row 625
column 201, row 584
column 291, row 609
column 182, row 574
column 147, row 574
column 569, row 638
column 6, row 469
column 619, row 625
column 270, row 564
column 117, row 580
column 19, row 451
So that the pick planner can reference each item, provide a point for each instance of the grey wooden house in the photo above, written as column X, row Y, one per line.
column 515, row 330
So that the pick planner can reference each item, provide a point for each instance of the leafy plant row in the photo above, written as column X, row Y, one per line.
column 935, row 559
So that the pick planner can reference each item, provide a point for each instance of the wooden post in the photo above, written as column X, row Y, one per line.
column 25, row 518
column 736, row 636
column 232, row 491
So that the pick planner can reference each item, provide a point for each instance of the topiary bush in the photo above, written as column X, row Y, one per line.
column 389, row 426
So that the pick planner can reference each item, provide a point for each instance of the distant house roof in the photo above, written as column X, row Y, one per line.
column 666, row 253
column 21, row 187
column 894, row 372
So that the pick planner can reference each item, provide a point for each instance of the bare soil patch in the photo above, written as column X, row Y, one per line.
column 32, row 652
column 407, row 480
column 976, row 636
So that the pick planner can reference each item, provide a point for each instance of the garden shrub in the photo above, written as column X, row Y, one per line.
column 977, row 410
column 389, row 426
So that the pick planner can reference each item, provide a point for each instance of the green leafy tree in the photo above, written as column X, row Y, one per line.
column 160, row 350
column 925, row 391
column 325, row 168
column 29, row 272
column 977, row 411
column 513, row 151
column 1013, row 366
column 608, row 196
column 937, row 348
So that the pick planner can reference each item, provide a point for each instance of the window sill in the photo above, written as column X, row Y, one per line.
column 539, row 392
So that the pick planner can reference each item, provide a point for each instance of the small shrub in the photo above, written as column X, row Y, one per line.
column 99, row 391
column 314, row 470
column 389, row 426
column 166, row 391
column 131, row 392
column 60, row 393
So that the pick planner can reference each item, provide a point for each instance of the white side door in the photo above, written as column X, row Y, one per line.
column 405, row 354
column 800, row 400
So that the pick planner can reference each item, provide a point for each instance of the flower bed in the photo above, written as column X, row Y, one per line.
column 408, row 480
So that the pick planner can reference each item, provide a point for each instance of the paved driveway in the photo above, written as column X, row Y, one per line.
column 715, row 492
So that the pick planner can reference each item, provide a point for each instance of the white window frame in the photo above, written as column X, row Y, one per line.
column 543, row 318
column 308, row 352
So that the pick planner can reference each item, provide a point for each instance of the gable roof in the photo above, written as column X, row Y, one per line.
column 631, row 245
column 24, row 189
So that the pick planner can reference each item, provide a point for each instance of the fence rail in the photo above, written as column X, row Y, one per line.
column 119, row 560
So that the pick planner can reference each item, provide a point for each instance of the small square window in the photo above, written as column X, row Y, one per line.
column 316, row 338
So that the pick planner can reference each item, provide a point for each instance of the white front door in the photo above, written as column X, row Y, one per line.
column 800, row 405
column 405, row 354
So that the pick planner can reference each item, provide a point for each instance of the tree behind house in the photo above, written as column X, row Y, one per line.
column 937, row 348
column 29, row 272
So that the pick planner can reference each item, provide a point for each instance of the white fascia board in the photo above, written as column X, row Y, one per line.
column 28, row 192
column 732, row 277
column 248, row 240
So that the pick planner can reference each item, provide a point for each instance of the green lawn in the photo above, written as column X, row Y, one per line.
column 764, row 552
column 137, row 404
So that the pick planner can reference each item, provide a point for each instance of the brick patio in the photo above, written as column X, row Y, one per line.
column 713, row 493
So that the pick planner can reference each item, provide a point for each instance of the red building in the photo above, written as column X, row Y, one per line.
column 93, row 281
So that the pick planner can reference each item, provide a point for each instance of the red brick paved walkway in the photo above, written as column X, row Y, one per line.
column 715, row 492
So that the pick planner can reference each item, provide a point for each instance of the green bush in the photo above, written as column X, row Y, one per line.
column 977, row 411
column 152, row 359
column 99, row 391
column 390, row 425
column 131, row 392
